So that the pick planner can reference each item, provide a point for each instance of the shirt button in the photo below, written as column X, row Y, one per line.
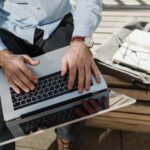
column 38, row 8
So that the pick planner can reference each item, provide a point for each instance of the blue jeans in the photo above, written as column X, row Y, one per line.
column 70, row 132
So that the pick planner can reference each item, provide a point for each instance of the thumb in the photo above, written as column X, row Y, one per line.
column 30, row 61
column 64, row 66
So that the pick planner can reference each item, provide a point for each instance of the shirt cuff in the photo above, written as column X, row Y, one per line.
column 2, row 45
column 82, row 30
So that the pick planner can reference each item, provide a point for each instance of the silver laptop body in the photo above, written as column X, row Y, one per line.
column 49, row 64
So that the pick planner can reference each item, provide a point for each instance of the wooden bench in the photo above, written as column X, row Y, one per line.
column 134, row 118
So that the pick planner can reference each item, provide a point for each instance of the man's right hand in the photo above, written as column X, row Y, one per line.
column 16, row 71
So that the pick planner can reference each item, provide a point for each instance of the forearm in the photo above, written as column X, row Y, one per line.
column 87, row 16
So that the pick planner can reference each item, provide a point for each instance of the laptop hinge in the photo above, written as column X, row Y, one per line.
column 56, row 105
column 97, row 92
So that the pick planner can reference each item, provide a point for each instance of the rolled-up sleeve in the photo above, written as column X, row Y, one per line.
column 2, row 45
column 87, row 17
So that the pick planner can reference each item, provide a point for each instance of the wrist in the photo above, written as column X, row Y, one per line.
column 77, row 39
column 3, row 55
column 86, row 41
column 78, row 44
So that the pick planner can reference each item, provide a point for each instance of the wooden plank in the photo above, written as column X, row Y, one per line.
column 101, row 35
column 134, row 93
column 137, row 122
column 106, row 30
column 125, row 7
column 111, row 24
column 140, row 107
column 126, row 2
column 100, row 40
column 130, row 122
column 120, row 18
column 136, row 13
column 127, row 117
column 103, row 123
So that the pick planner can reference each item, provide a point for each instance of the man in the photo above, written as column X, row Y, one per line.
column 32, row 27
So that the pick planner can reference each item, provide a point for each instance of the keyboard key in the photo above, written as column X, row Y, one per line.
column 44, row 95
column 22, row 102
column 52, row 88
column 48, row 87
column 17, row 104
column 50, row 93
column 28, row 100
column 39, row 97
column 47, row 90
column 56, row 92
column 33, row 99
column 54, row 83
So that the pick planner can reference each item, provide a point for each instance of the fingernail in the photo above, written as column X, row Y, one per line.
column 98, row 80
column 18, row 92
column 36, row 81
column 32, row 88
column 80, row 90
column 26, row 90
column 87, row 89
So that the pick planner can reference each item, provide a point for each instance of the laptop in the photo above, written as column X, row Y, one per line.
column 135, row 51
column 51, row 103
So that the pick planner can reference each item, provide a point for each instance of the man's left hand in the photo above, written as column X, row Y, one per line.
column 79, row 59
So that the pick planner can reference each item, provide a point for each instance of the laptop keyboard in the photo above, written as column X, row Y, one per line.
column 48, row 87
column 48, row 121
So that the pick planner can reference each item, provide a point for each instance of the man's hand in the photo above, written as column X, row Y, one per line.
column 79, row 59
column 16, row 71
column 92, row 106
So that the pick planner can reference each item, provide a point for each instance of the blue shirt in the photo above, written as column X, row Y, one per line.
column 21, row 17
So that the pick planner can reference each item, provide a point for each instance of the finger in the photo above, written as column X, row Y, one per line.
column 81, row 78
column 95, row 105
column 30, row 60
column 79, row 112
column 87, row 77
column 19, row 83
column 25, row 80
column 72, row 76
column 64, row 66
column 13, row 86
column 28, row 73
column 96, row 71
column 88, row 108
